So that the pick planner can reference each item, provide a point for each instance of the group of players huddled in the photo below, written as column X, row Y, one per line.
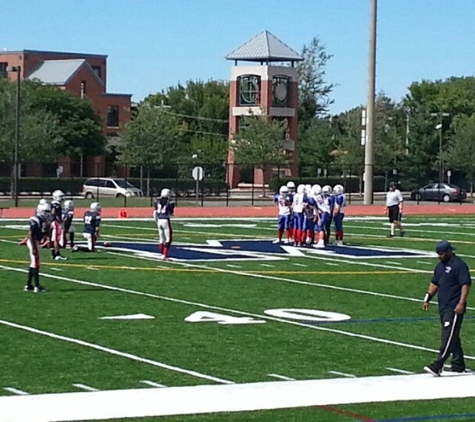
column 306, row 216
column 51, row 226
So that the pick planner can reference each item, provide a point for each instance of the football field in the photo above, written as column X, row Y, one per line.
column 234, row 327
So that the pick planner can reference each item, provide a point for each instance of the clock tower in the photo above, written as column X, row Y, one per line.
column 266, row 83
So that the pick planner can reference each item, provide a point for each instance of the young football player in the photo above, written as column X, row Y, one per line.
column 68, row 227
column 283, row 203
column 39, row 227
column 92, row 221
column 56, row 225
column 339, row 213
column 298, row 205
column 44, row 242
column 163, row 209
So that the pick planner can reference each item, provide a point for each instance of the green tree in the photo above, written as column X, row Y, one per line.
column 260, row 142
column 314, row 91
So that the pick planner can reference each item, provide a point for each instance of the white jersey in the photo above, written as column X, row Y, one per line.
column 393, row 198
column 298, row 204
column 284, row 205
column 323, row 204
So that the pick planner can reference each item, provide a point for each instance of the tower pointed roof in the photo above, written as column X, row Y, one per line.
column 265, row 47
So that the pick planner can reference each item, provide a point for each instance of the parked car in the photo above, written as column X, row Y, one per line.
column 445, row 192
column 109, row 186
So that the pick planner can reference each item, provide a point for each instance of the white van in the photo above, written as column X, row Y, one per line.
column 108, row 186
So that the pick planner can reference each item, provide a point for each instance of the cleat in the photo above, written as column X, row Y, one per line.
column 403, row 233
column 276, row 241
column 60, row 258
column 164, row 258
column 39, row 289
column 28, row 288
column 390, row 235
column 431, row 369
column 339, row 243
column 74, row 249
column 455, row 370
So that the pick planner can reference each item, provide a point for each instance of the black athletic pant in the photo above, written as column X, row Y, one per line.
column 450, row 340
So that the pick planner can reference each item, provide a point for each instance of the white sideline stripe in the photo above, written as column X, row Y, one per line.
column 281, row 377
column 231, row 398
column 342, row 374
column 152, row 384
column 332, row 264
column 16, row 391
column 85, row 387
column 400, row 371
column 114, row 352
column 300, row 324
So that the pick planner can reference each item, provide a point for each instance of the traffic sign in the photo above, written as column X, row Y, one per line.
column 198, row 173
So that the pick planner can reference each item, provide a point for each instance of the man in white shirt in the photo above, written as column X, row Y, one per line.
column 394, row 203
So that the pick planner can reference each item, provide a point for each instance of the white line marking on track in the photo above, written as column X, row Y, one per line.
column 281, row 377
column 85, row 387
column 152, row 384
column 16, row 391
column 342, row 374
column 400, row 371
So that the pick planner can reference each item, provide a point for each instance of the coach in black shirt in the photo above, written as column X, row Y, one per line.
column 451, row 282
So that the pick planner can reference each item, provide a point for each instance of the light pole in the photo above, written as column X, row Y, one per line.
column 440, row 127
column 16, row 69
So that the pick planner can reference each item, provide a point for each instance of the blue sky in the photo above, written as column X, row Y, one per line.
column 153, row 44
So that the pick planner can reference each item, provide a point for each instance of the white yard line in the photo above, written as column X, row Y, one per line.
column 342, row 374
column 115, row 352
column 281, row 377
column 152, row 384
column 205, row 306
column 206, row 399
column 16, row 391
column 85, row 387
column 299, row 265
column 332, row 264
column 400, row 371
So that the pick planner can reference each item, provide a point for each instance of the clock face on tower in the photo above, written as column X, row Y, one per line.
column 280, row 85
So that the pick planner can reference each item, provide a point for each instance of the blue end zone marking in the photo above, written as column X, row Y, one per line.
column 261, row 250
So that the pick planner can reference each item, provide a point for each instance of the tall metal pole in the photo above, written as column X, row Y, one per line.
column 17, row 133
column 369, row 147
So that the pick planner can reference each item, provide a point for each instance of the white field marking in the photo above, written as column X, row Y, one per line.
column 281, row 377
column 444, row 232
column 205, row 399
column 233, row 266
column 400, row 371
column 116, row 352
column 152, row 384
column 85, row 387
column 92, row 268
column 342, row 374
column 393, row 262
column 299, row 265
column 259, row 316
column 16, row 391
column 55, row 269
column 332, row 264
column 134, row 316
column 266, row 265
column 425, row 262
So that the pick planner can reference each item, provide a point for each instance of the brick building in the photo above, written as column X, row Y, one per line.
column 82, row 74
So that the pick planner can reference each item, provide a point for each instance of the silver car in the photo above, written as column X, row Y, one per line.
column 109, row 186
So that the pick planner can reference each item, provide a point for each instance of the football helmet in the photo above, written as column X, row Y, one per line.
column 316, row 189
column 43, row 210
column 327, row 190
column 291, row 186
column 165, row 193
column 58, row 195
column 301, row 189
column 42, row 201
column 308, row 188
column 283, row 189
column 69, row 205
column 96, row 207
column 338, row 189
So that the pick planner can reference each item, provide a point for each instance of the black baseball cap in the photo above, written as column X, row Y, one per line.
column 444, row 246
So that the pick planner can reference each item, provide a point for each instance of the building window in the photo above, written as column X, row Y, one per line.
column 249, row 89
column 113, row 116
column 83, row 89
column 280, row 88
column 98, row 71
column 3, row 69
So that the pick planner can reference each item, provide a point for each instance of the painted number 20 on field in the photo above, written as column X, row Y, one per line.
column 284, row 313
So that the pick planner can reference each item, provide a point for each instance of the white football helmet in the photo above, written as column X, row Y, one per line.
column 283, row 190
column 316, row 189
column 165, row 193
column 42, row 201
column 96, row 207
column 308, row 188
column 338, row 189
column 327, row 190
column 301, row 189
column 291, row 186
column 43, row 210
column 69, row 205
column 58, row 195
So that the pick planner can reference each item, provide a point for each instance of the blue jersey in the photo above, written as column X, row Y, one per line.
column 340, row 202
column 163, row 210
column 68, row 216
column 38, row 227
column 56, row 211
column 92, row 220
